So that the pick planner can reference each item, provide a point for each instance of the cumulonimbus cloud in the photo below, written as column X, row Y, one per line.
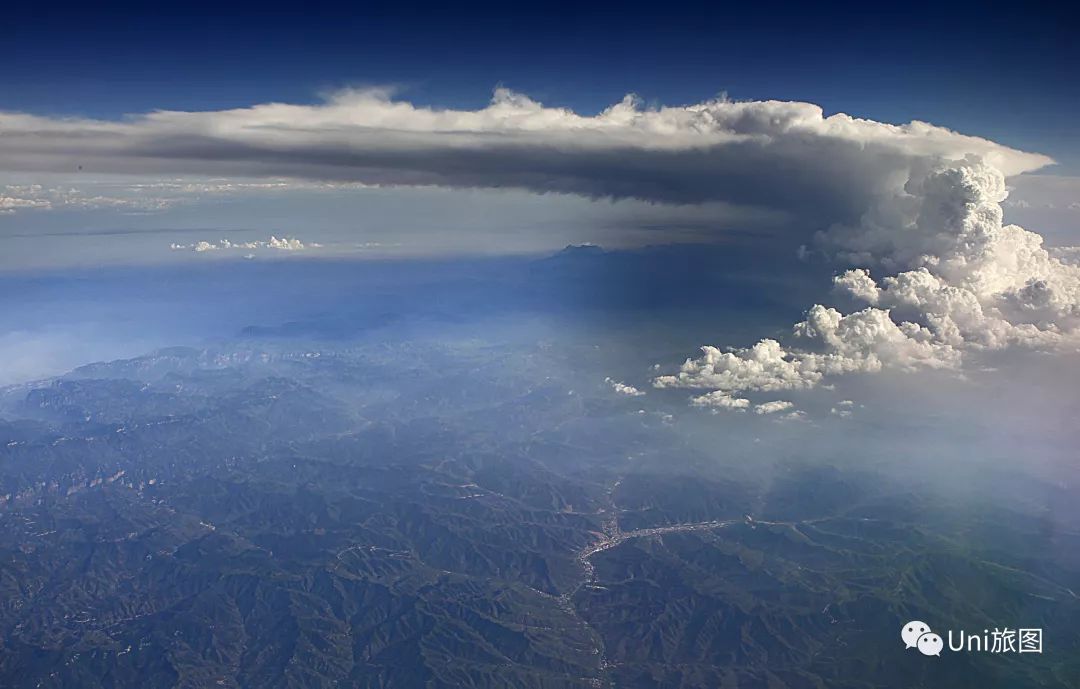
column 913, row 211
column 953, row 279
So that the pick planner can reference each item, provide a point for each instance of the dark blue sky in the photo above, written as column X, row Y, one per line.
column 1008, row 74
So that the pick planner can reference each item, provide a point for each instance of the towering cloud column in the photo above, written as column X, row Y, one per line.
column 954, row 278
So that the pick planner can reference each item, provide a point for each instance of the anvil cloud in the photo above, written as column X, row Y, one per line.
column 772, row 154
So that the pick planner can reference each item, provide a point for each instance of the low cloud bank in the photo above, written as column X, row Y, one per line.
column 275, row 243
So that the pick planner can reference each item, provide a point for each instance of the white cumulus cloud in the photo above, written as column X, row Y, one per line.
column 955, row 279
column 772, row 407
column 718, row 399
column 274, row 243
column 623, row 388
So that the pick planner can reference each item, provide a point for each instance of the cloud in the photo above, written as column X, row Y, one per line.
column 772, row 154
column 772, row 407
column 909, row 215
column 10, row 204
column 288, row 244
column 17, row 197
column 955, row 279
column 623, row 388
column 275, row 243
column 718, row 399
column 864, row 341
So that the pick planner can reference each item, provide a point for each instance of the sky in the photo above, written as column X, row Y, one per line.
column 920, row 160
column 1003, row 72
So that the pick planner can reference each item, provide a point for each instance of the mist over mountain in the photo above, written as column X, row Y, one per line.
column 420, row 475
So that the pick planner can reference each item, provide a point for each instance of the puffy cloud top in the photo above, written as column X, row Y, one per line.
column 954, row 279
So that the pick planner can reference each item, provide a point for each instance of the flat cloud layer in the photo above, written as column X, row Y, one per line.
column 913, row 211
